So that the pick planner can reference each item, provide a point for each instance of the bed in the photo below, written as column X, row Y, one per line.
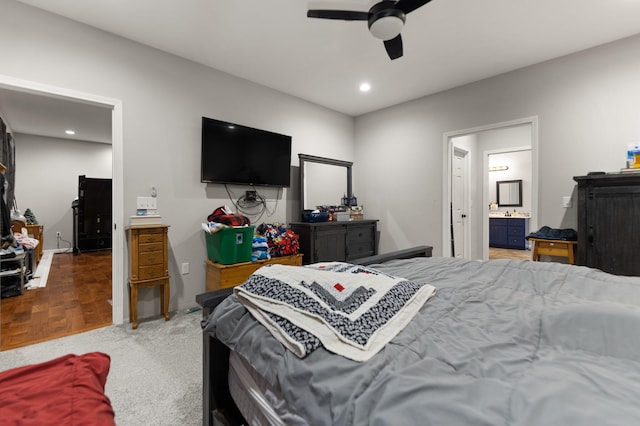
column 504, row 342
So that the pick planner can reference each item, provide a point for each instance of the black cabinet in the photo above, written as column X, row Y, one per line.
column 609, row 222
column 336, row 241
column 508, row 232
column 93, row 219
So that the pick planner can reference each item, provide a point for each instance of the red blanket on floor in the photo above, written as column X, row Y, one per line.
column 64, row 391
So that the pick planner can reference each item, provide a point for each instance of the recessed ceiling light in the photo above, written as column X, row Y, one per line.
column 365, row 87
column 70, row 132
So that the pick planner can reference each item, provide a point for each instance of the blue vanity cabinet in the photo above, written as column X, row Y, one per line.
column 498, row 234
column 508, row 232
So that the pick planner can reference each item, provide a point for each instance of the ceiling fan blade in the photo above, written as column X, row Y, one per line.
column 394, row 47
column 344, row 15
column 410, row 5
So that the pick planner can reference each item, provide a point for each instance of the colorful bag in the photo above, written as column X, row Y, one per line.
column 281, row 240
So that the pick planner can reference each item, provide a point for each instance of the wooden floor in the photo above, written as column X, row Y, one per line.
column 498, row 253
column 77, row 298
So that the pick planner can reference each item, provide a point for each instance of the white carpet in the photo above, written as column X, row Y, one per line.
column 41, row 274
column 156, row 370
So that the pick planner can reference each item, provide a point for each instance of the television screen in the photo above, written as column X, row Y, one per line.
column 237, row 154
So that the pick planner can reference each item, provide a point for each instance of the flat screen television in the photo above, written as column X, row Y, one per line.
column 236, row 154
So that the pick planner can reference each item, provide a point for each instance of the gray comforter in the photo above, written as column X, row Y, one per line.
column 501, row 343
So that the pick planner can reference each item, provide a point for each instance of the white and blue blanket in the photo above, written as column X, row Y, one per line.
column 351, row 310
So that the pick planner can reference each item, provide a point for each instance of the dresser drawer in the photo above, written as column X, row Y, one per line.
column 150, row 237
column 151, row 258
column 150, row 272
column 362, row 249
column 150, row 247
column 360, row 242
column 360, row 235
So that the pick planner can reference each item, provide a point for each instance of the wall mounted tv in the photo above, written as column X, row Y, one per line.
column 242, row 155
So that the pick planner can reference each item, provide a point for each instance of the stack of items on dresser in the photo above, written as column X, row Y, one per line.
column 230, row 238
column 347, row 210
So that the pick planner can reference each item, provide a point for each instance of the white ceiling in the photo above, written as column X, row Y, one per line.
column 40, row 115
column 447, row 43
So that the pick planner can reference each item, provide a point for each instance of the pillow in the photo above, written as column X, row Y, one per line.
column 64, row 391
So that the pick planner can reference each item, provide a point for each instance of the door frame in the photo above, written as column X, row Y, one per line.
column 117, row 143
column 447, row 178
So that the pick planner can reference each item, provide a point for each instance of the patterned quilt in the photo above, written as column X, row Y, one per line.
column 351, row 310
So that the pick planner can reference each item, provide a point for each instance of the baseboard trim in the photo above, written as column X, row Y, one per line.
column 54, row 251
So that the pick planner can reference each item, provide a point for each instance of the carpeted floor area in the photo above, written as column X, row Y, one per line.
column 156, row 370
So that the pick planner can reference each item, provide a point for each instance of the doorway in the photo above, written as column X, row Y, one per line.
column 478, row 142
column 115, row 105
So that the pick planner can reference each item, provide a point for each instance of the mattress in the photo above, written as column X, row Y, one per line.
column 256, row 399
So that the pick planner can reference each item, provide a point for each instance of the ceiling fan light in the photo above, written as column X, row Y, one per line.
column 387, row 27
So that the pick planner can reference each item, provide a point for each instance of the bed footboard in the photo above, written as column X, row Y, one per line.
column 218, row 407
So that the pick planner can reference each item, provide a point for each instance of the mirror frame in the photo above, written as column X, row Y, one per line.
column 519, row 203
column 305, row 158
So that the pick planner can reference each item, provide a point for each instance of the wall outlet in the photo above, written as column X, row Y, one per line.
column 146, row 203
column 58, row 234
column 185, row 268
column 566, row 202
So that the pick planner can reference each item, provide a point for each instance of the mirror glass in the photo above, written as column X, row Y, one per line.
column 323, row 181
column 324, row 185
column 509, row 193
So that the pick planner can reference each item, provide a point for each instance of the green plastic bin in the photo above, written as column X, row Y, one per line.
column 230, row 245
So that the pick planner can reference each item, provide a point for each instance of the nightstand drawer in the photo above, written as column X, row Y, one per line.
column 150, row 272
column 151, row 258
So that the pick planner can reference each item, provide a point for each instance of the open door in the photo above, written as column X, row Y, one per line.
column 460, row 204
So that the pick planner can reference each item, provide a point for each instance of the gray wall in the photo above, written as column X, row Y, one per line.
column 163, row 99
column 47, row 171
column 588, row 105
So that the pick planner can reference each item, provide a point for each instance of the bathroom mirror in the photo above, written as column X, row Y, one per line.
column 323, row 181
column 509, row 193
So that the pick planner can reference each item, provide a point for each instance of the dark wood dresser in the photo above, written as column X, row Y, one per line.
column 336, row 241
column 609, row 222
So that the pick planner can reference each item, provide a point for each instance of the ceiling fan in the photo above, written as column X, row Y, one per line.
column 385, row 20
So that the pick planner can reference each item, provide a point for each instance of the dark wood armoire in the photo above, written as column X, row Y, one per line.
column 93, row 217
column 609, row 222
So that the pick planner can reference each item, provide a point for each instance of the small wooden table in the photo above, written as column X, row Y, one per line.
column 560, row 248
column 221, row 276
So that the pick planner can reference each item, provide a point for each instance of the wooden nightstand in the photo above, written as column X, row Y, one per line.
column 148, row 265
column 223, row 276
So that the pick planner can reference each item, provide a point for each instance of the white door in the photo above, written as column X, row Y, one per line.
column 460, row 204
